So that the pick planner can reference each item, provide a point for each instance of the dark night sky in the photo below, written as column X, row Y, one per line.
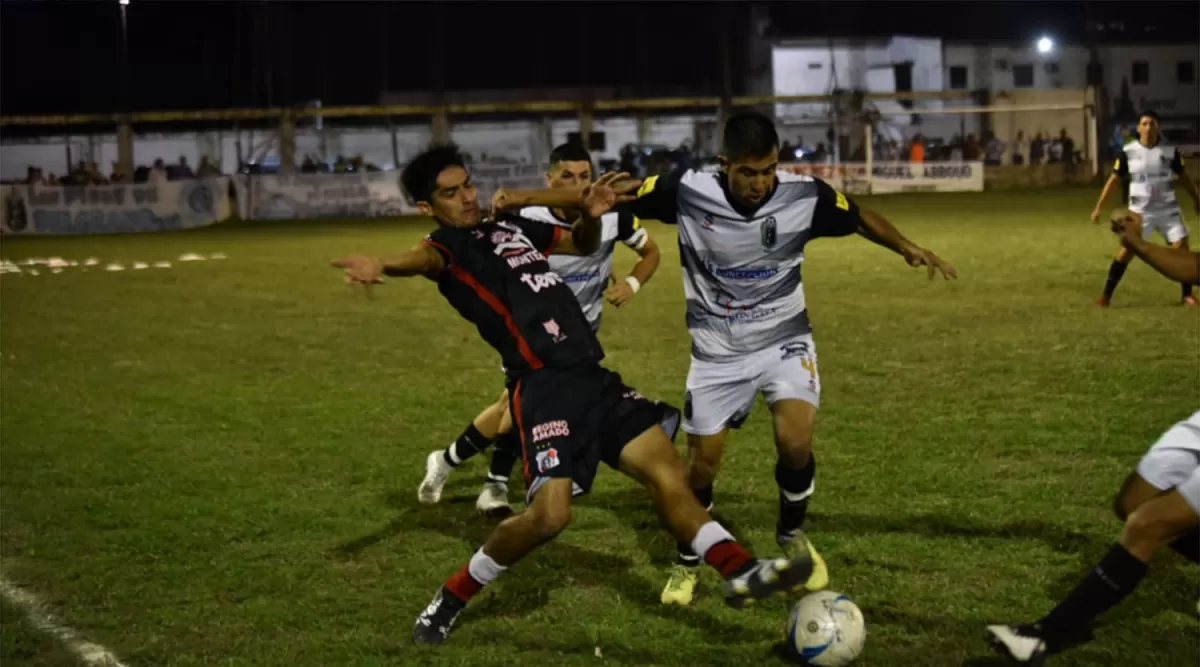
column 60, row 57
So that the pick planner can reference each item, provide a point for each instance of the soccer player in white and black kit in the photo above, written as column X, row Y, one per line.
column 1160, row 505
column 742, row 237
column 1150, row 166
column 587, row 276
column 570, row 412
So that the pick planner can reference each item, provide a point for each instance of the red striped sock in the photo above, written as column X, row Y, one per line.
column 727, row 557
column 462, row 585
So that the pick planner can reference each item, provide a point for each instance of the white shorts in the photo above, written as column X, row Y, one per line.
column 1168, row 223
column 1174, row 463
column 721, row 393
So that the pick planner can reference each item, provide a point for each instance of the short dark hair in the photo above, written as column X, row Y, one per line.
column 419, row 178
column 1149, row 113
column 570, row 152
column 749, row 134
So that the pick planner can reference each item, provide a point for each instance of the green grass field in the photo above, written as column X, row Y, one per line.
column 217, row 463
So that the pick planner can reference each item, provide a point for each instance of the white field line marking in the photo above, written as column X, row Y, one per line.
column 35, row 611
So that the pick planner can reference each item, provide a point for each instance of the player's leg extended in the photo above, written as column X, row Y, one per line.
column 1182, row 242
column 719, row 394
column 791, row 383
column 795, row 472
column 704, row 460
column 1115, row 271
column 1153, row 524
column 493, row 498
column 478, row 436
column 545, row 517
column 650, row 459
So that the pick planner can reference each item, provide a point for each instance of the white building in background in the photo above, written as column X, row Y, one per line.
column 1159, row 77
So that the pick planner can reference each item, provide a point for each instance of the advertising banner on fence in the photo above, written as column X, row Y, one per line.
column 927, row 177
column 896, row 177
column 115, row 209
column 307, row 196
column 362, row 194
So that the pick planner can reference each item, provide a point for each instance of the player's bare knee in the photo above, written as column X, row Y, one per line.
column 702, row 469
column 794, row 453
column 1144, row 527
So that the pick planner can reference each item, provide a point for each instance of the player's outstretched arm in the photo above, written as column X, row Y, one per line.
column 1175, row 263
column 877, row 229
column 423, row 260
column 1120, row 169
column 593, row 202
column 1188, row 184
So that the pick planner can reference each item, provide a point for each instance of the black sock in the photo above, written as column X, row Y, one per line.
column 795, row 489
column 1187, row 289
column 1115, row 271
column 1114, row 578
column 686, row 555
column 470, row 443
column 1188, row 545
column 504, row 455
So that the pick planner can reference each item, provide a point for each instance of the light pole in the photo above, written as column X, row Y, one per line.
column 124, row 57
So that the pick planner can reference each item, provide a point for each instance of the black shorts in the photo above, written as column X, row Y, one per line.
column 570, row 420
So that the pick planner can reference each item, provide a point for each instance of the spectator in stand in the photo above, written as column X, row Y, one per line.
column 158, row 173
column 206, row 168
column 1020, row 148
column 33, row 176
column 787, row 152
column 971, row 150
column 117, row 175
column 94, row 177
column 53, row 180
column 1067, row 149
column 181, row 171
column 916, row 152
column 1037, row 150
column 309, row 166
column 993, row 150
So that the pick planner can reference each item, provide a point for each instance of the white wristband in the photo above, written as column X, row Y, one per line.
column 634, row 283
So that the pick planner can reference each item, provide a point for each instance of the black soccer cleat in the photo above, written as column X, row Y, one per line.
column 766, row 578
column 435, row 622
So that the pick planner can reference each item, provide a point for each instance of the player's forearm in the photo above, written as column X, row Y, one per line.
column 879, row 230
column 585, row 234
column 647, row 264
column 553, row 198
column 1175, row 263
column 1108, row 186
column 413, row 262
column 1190, row 186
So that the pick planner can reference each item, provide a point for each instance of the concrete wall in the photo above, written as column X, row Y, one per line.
column 518, row 141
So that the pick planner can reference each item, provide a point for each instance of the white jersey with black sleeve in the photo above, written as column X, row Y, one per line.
column 587, row 275
column 742, row 268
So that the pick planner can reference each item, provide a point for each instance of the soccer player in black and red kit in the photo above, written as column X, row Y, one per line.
column 570, row 412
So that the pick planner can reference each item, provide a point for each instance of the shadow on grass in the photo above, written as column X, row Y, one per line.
column 528, row 586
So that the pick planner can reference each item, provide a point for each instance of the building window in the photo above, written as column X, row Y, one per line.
column 1051, row 68
column 1022, row 76
column 958, row 77
column 1185, row 71
column 1141, row 73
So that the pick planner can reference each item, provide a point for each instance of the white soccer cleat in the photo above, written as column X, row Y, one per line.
column 1021, row 643
column 436, row 472
column 493, row 498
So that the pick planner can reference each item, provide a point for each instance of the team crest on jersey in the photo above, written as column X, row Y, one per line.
column 708, row 222
column 769, row 235
column 554, row 330
column 547, row 459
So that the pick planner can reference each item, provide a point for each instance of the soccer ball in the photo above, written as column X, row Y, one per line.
column 826, row 629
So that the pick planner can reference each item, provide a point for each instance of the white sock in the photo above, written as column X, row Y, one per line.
column 710, row 533
column 483, row 569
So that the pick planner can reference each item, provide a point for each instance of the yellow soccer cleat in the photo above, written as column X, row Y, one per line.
column 681, row 587
column 819, row 580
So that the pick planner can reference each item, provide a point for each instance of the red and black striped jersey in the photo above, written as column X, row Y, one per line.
column 497, row 277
